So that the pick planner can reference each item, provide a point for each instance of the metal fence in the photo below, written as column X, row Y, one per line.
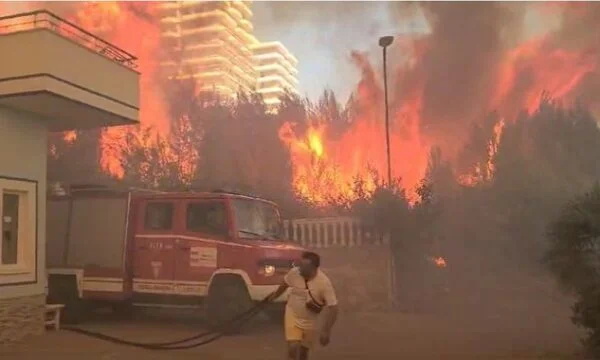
column 331, row 232
column 43, row 19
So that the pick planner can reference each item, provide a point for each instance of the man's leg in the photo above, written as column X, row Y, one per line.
column 293, row 335
column 294, row 350
column 308, row 338
column 302, row 353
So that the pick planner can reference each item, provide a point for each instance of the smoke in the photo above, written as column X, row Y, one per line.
column 478, row 58
column 580, row 29
column 318, row 12
column 579, row 26
column 465, row 50
column 323, row 34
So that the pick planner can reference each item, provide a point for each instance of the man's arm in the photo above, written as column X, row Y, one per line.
column 283, row 287
column 277, row 293
column 330, row 313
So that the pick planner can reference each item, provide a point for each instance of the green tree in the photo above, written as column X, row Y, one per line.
column 574, row 257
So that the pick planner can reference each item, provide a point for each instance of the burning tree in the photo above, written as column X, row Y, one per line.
column 75, row 157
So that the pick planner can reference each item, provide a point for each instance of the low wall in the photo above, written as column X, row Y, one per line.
column 359, row 276
column 474, row 282
column 20, row 317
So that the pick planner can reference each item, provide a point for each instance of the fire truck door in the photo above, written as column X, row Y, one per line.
column 154, row 254
column 206, row 229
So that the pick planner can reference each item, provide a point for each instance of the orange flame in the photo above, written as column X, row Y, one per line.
column 325, row 164
column 483, row 172
column 117, row 23
column 555, row 72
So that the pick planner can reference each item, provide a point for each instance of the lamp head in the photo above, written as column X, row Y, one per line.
column 386, row 41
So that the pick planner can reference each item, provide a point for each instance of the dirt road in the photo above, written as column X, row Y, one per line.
column 359, row 336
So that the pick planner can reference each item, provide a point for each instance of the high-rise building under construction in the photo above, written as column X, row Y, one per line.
column 213, row 43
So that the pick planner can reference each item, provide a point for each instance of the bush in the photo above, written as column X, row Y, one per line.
column 574, row 257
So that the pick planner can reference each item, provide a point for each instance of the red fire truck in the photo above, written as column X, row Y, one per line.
column 221, row 251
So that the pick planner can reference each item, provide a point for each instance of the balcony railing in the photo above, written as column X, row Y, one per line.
column 43, row 19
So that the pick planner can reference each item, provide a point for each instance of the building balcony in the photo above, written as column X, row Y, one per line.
column 66, row 75
column 275, row 72
column 275, row 58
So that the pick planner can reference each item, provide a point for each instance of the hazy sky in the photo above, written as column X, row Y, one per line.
column 321, row 34
column 323, row 44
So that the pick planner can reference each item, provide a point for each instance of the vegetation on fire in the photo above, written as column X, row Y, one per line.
column 493, row 223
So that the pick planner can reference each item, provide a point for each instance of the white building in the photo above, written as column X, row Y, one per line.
column 211, row 41
column 277, row 72
column 50, row 80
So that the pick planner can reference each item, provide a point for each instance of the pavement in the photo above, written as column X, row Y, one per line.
column 356, row 336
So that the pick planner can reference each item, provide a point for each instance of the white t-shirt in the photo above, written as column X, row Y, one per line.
column 321, row 289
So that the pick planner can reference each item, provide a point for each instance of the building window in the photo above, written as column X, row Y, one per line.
column 18, row 231
column 158, row 216
column 10, row 227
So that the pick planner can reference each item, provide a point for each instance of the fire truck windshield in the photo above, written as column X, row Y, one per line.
column 257, row 220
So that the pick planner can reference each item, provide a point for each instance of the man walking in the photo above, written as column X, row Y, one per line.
column 311, row 294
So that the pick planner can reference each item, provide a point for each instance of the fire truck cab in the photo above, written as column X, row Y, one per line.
column 217, row 250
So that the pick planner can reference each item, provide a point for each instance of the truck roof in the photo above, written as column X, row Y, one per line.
column 200, row 195
column 101, row 191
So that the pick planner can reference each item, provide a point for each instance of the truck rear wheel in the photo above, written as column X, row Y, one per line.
column 62, row 289
column 227, row 298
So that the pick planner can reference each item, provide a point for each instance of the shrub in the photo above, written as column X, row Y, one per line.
column 574, row 257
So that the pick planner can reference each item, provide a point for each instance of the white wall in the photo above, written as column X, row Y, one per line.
column 23, row 147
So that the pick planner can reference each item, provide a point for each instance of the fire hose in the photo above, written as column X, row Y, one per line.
column 207, row 336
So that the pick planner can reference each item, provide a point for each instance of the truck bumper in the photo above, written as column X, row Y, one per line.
column 259, row 292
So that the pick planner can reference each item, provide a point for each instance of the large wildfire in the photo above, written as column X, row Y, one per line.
column 444, row 84
column 476, row 59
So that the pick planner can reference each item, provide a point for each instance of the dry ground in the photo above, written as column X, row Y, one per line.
column 357, row 336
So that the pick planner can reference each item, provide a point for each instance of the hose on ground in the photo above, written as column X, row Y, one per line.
column 217, row 332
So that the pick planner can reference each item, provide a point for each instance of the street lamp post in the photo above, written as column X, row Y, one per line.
column 384, row 42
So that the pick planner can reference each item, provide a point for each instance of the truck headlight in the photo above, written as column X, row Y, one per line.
column 267, row 270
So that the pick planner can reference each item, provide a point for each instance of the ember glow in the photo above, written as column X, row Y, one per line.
column 440, row 262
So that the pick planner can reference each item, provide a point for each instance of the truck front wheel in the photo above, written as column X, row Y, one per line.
column 227, row 298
